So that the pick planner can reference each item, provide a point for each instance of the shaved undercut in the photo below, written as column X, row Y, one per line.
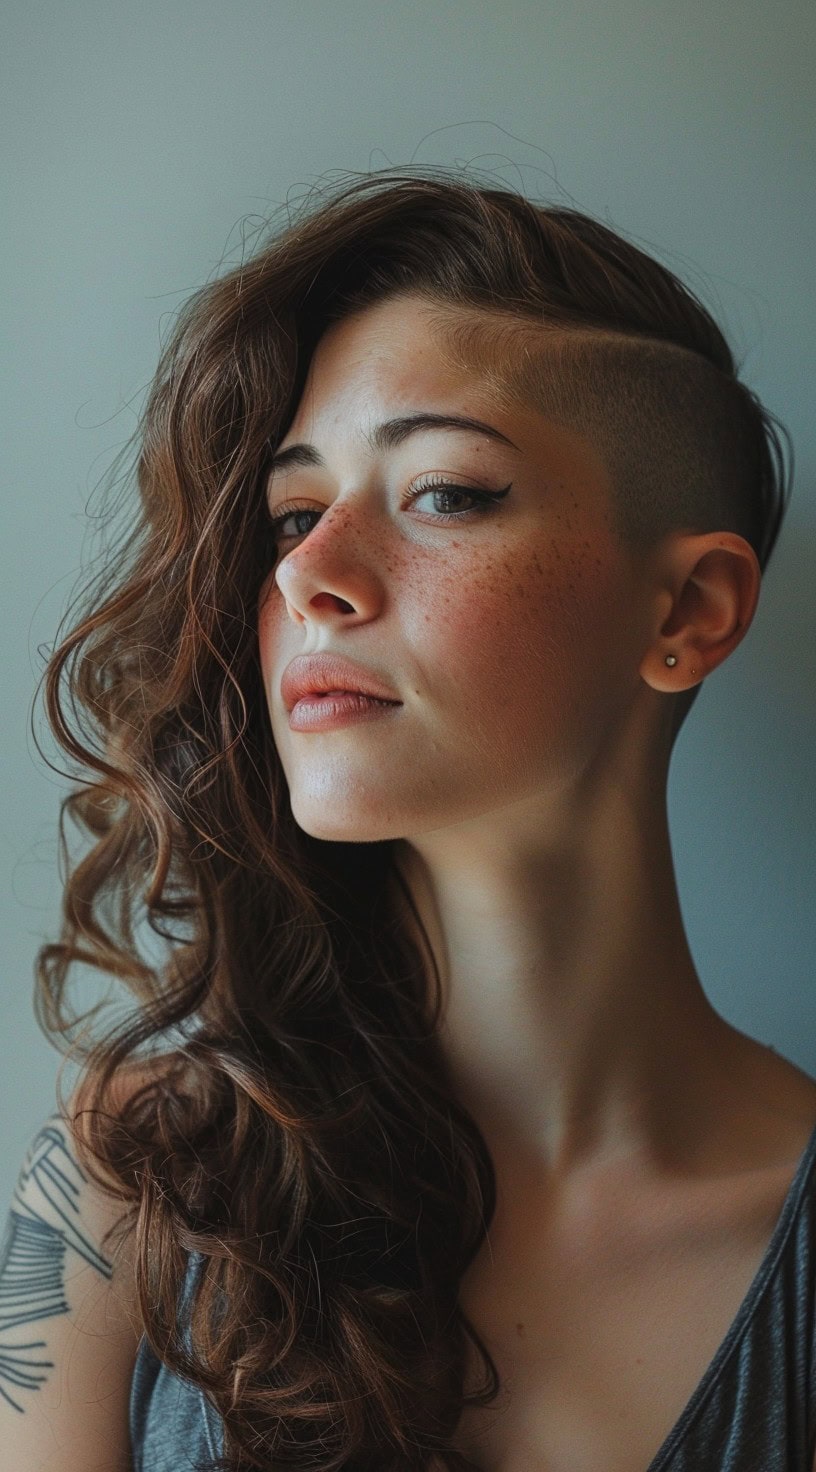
column 672, row 429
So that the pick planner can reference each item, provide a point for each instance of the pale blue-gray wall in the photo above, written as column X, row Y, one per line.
column 141, row 139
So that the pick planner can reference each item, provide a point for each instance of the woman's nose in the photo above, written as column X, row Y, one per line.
column 333, row 570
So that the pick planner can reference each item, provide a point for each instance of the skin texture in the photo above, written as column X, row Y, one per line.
column 524, row 779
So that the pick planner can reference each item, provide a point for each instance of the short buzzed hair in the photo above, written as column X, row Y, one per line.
column 676, row 434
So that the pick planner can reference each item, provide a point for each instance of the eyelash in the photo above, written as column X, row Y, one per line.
column 485, row 501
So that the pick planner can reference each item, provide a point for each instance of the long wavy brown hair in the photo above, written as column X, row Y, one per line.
column 290, row 1117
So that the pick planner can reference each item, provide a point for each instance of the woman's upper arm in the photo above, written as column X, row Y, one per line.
column 69, row 1328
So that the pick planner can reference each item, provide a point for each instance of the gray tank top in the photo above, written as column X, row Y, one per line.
column 755, row 1406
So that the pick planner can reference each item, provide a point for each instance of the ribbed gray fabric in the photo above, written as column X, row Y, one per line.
column 753, row 1411
column 173, row 1427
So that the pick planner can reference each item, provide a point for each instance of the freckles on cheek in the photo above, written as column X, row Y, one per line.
column 524, row 623
column 480, row 621
column 458, row 604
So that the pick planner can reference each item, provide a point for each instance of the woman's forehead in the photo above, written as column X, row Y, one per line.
column 509, row 362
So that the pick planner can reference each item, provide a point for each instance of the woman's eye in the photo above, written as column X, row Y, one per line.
column 439, row 490
column 276, row 522
column 444, row 498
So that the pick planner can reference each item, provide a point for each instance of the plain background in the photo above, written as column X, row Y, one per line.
column 144, row 142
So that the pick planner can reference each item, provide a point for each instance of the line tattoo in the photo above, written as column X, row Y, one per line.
column 43, row 1223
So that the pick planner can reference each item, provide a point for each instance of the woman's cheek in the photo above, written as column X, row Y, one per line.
column 268, row 625
column 520, row 643
column 525, row 609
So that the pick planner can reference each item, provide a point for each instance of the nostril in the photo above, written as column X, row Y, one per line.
column 319, row 601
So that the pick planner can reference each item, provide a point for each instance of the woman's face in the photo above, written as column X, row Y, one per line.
column 511, row 635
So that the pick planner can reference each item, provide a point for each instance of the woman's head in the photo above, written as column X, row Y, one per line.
column 293, row 1002
column 531, row 308
column 521, row 630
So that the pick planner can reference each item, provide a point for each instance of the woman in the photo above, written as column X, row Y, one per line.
column 423, row 1146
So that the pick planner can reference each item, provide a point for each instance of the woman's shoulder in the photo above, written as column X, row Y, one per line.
column 69, row 1322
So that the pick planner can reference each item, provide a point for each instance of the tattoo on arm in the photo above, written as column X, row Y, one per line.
column 44, row 1223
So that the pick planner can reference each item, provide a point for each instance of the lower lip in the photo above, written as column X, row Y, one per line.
column 324, row 713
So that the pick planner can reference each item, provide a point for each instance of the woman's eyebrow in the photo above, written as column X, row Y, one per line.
column 388, row 435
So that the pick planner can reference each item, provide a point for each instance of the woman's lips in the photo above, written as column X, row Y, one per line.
column 324, row 710
column 309, row 674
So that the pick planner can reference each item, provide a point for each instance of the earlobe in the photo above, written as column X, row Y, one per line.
column 716, row 577
column 687, row 674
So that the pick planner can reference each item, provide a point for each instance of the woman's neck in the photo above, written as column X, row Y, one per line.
column 574, row 1020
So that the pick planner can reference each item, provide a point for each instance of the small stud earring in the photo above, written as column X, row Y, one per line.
column 671, row 659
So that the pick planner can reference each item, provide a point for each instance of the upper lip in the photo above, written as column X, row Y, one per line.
column 308, row 673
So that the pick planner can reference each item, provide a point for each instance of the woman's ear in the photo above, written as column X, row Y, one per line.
column 706, row 592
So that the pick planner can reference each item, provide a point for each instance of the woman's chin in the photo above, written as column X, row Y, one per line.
column 343, row 826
